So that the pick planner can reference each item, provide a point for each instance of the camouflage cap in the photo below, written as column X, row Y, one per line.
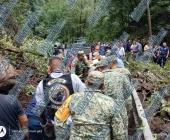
column 96, row 78
column 102, row 63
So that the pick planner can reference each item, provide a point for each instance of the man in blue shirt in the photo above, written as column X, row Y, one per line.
column 163, row 54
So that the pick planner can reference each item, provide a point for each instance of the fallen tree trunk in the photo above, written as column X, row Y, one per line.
column 20, row 51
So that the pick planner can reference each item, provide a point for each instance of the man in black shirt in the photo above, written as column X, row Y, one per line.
column 11, row 117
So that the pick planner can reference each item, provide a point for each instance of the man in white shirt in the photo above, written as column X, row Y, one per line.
column 121, row 52
column 55, row 71
column 60, row 86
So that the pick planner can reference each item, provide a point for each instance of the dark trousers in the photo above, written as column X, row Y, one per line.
column 35, row 130
column 162, row 60
column 155, row 60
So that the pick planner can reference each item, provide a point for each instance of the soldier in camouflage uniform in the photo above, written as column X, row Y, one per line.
column 93, row 113
column 114, row 66
column 101, row 65
column 81, row 66
column 104, row 63
column 118, row 86
column 123, row 71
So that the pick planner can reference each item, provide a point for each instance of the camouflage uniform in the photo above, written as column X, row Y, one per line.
column 123, row 71
column 96, row 120
column 81, row 69
column 119, row 88
column 102, row 63
column 127, row 73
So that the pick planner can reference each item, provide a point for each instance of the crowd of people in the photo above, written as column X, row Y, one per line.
column 133, row 50
column 158, row 54
column 92, row 99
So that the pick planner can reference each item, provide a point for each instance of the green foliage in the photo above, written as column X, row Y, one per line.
column 28, row 52
column 165, row 107
column 19, row 15
column 108, row 27
column 39, row 62
column 28, row 89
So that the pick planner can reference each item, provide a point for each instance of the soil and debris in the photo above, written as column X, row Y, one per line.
column 149, row 77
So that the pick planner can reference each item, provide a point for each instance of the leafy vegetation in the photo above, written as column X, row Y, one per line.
column 108, row 27
column 25, row 55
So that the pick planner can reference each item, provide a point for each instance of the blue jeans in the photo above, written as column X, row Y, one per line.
column 35, row 129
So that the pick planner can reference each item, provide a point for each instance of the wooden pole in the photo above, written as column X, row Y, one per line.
column 149, row 20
